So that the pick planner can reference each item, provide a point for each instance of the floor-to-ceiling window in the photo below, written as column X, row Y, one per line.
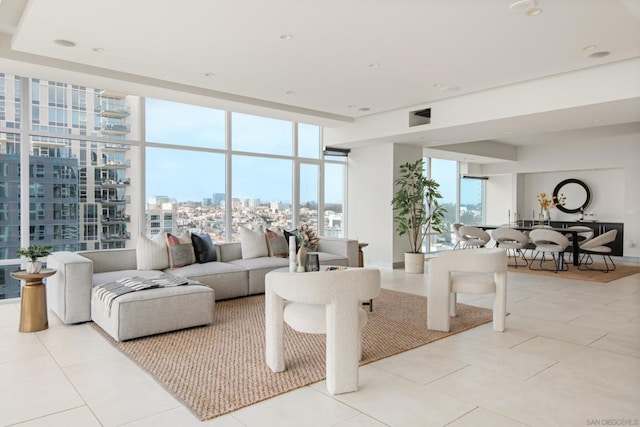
column 445, row 173
column 472, row 200
column 89, row 152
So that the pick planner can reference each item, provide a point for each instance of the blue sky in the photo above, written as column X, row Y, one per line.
column 194, row 175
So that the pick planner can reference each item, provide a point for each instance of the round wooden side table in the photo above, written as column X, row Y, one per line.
column 33, row 308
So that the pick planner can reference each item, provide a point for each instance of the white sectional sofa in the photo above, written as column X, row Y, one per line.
column 69, row 292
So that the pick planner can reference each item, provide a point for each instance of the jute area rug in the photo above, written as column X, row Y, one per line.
column 575, row 274
column 220, row 368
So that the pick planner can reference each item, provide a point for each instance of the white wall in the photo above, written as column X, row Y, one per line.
column 370, row 189
column 499, row 200
column 372, row 171
column 606, row 186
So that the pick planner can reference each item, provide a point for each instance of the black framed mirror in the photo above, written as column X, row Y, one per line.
column 577, row 195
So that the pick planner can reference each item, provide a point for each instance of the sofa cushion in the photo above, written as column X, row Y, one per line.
column 326, row 258
column 228, row 280
column 277, row 244
column 152, row 254
column 180, row 251
column 253, row 242
column 203, row 247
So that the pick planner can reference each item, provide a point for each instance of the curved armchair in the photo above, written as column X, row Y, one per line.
column 596, row 246
column 549, row 241
column 513, row 241
column 473, row 237
column 321, row 302
column 466, row 272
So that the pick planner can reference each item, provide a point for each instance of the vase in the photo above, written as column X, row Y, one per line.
column 545, row 215
column 302, row 258
column 33, row 267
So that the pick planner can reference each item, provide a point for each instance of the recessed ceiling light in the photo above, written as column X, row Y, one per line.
column 599, row 54
column 98, row 49
column 290, row 92
column 286, row 37
column 534, row 11
column 364, row 109
column 64, row 43
column 590, row 47
column 523, row 5
column 209, row 74
column 374, row 65
column 351, row 106
column 438, row 85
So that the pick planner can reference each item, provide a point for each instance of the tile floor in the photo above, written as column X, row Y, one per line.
column 570, row 357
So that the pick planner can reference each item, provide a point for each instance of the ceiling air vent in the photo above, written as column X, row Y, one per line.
column 420, row 117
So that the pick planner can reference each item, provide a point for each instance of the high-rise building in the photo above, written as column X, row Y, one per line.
column 78, row 187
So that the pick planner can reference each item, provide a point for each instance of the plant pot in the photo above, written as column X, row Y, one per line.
column 414, row 262
column 33, row 267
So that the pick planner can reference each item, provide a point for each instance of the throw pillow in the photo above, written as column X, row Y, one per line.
column 295, row 233
column 253, row 243
column 203, row 247
column 151, row 254
column 277, row 244
column 180, row 251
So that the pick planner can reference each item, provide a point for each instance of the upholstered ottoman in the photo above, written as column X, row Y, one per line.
column 153, row 311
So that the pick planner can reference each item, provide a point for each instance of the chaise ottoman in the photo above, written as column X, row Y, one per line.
column 154, row 311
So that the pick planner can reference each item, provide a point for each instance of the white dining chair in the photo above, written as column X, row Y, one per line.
column 597, row 246
column 473, row 237
column 514, row 242
column 552, row 242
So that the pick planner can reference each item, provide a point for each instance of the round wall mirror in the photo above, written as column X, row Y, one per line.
column 577, row 195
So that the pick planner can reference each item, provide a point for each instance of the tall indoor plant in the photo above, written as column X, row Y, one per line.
column 416, row 209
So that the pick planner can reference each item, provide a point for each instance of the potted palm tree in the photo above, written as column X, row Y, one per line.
column 417, row 210
column 33, row 252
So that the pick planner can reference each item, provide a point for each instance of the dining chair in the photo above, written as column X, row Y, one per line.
column 552, row 242
column 514, row 242
column 456, row 232
column 473, row 237
column 584, row 234
column 597, row 246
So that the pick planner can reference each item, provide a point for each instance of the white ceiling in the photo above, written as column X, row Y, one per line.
column 326, row 69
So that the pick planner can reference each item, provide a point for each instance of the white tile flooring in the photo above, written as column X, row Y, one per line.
column 570, row 357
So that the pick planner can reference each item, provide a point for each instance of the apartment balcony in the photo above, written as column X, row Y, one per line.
column 116, row 183
column 115, row 129
column 115, row 111
column 111, row 94
column 116, row 200
column 115, row 147
column 115, row 237
column 115, row 164
column 116, row 220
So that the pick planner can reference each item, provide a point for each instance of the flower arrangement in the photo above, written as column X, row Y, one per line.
column 307, row 237
column 546, row 204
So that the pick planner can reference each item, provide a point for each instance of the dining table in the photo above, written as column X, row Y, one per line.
column 575, row 241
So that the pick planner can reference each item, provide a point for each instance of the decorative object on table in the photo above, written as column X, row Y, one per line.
column 33, row 252
column 312, row 263
column 307, row 237
column 547, row 204
column 417, row 209
column 292, row 254
column 301, row 258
